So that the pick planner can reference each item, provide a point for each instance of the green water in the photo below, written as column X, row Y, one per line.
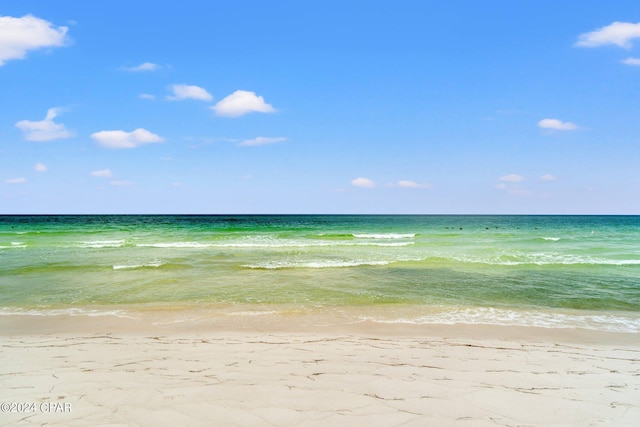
column 560, row 270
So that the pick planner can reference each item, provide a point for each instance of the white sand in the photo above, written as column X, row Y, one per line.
column 120, row 372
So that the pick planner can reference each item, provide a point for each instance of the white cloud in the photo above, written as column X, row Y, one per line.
column 240, row 103
column 403, row 183
column 511, row 184
column 617, row 33
column 102, row 173
column 631, row 61
column 122, row 139
column 363, row 182
column 548, row 177
column 261, row 140
column 16, row 180
column 146, row 96
column 20, row 35
column 121, row 183
column 39, row 167
column 145, row 66
column 182, row 92
column 555, row 124
column 512, row 178
column 513, row 188
column 44, row 130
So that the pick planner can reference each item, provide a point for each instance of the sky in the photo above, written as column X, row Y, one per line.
column 328, row 107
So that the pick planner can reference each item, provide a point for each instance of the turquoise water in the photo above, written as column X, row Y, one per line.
column 555, row 271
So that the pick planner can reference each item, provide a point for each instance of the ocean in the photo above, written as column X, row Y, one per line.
column 546, row 271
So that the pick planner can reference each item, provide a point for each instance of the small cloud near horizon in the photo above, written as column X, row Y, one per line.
column 39, row 167
column 555, row 124
column 363, row 183
column 16, row 180
column 548, row 177
column 103, row 173
column 511, row 184
column 121, row 183
column 403, row 183
column 514, row 177
column 261, row 140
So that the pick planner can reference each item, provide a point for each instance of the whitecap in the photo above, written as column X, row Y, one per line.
column 271, row 244
column 134, row 266
column 384, row 235
column 13, row 246
column 174, row 245
column 276, row 265
column 97, row 244
column 543, row 259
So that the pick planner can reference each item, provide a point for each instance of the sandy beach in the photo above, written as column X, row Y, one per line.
column 81, row 371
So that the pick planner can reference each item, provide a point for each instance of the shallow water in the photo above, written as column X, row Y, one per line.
column 552, row 271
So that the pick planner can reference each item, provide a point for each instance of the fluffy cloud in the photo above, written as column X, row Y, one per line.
column 121, row 183
column 182, row 92
column 512, row 178
column 363, row 182
column 555, row 124
column 618, row 33
column 145, row 66
column 122, row 139
column 39, row 167
column 261, row 140
column 631, row 61
column 20, row 35
column 240, row 103
column 548, row 177
column 44, row 130
column 146, row 96
column 16, row 181
column 102, row 173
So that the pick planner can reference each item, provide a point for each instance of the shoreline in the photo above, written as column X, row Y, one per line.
column 391, row 317
column 248, row 371
column 203, row 321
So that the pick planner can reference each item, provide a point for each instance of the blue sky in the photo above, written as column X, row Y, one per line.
column 320, row 107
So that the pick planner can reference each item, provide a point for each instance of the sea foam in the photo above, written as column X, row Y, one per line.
column 153, row 264
column 384, row 235
column 269, row 244
column 276, row 265
column 97, row 244
column 503, row 317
